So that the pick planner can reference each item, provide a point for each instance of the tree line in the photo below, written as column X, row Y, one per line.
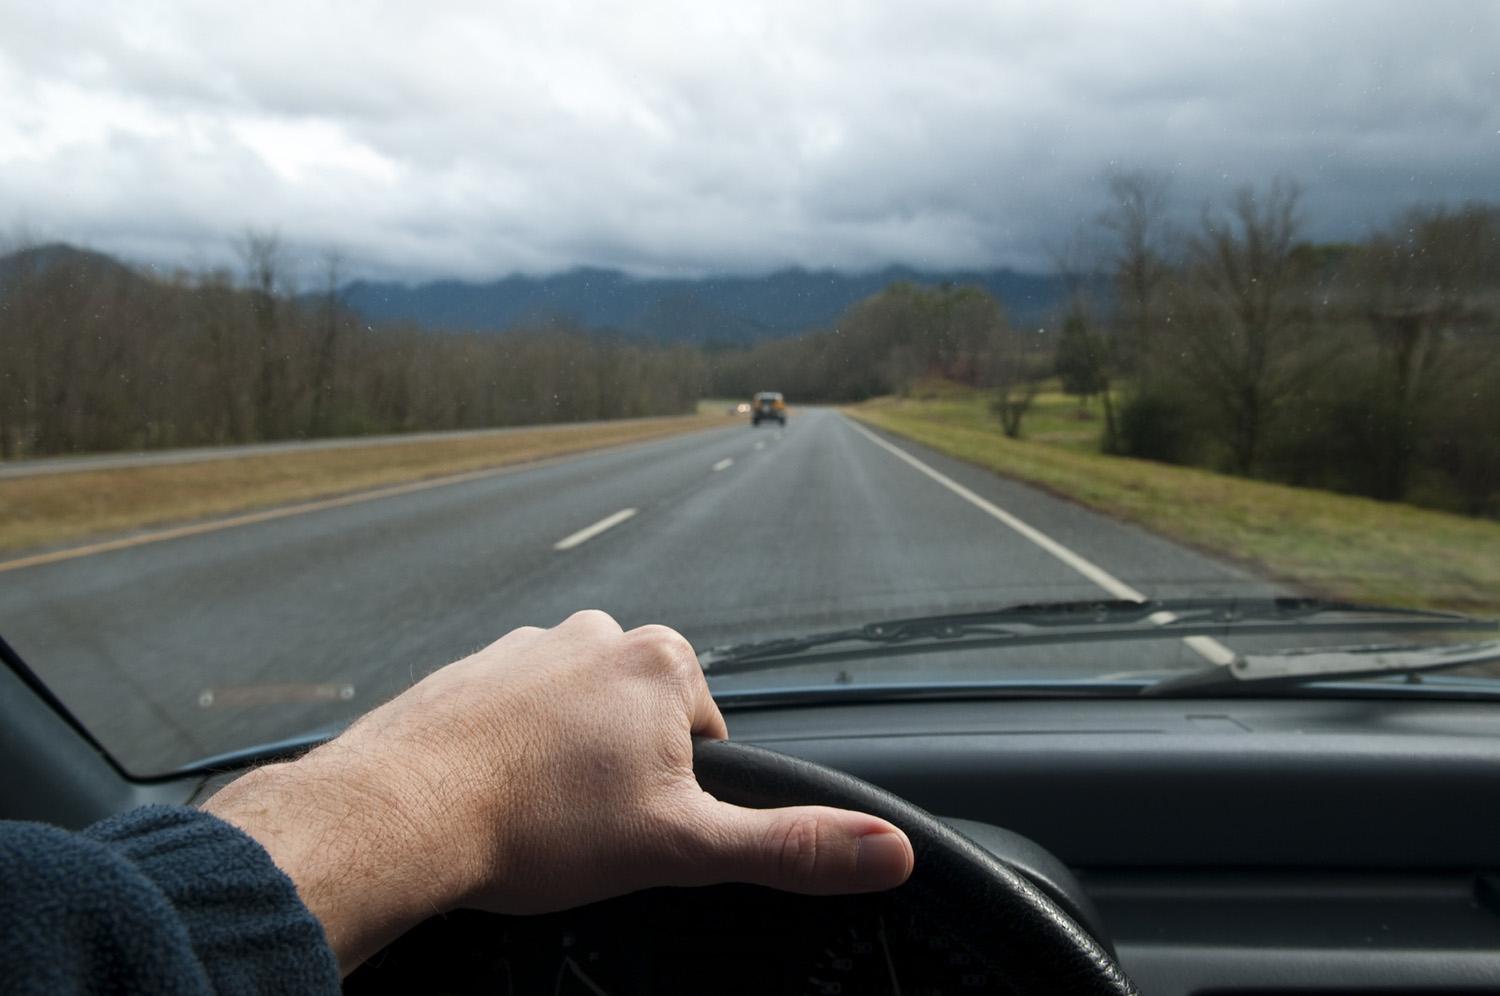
column 96, row 356
column 888, row 342
column 1370, row 367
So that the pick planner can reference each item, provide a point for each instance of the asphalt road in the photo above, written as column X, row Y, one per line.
column 176, row 650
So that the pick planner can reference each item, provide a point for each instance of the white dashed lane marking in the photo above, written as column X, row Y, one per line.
column 589, row 532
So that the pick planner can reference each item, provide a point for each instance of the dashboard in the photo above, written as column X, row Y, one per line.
column 1258, row 847
column 1264, row 847
column 729, row 940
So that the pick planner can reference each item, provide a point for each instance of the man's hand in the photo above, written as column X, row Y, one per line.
column 552, row 768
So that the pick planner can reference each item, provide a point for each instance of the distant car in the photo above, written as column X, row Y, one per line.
column 768, row 406
column 743, row 408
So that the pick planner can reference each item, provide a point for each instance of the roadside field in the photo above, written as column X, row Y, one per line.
column 1055, row 418
column 47, row 510
column 1325, row 543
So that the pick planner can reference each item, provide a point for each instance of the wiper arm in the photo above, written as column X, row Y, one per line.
column 1073, row 622
column 1253, row 673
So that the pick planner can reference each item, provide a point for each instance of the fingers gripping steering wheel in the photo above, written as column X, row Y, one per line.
column 1034, row 943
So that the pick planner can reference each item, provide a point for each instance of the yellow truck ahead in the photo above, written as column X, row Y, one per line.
column 768, row 406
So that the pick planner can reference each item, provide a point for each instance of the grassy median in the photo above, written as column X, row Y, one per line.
column 60, row 508
column 1324, row 543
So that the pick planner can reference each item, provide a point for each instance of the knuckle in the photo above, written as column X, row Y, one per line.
column 795, row 845
column 665, row 649
column 594, row 619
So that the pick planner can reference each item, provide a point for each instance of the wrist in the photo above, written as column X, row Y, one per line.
column 360, row 850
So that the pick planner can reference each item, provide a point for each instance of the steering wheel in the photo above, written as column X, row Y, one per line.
column 1005, row 919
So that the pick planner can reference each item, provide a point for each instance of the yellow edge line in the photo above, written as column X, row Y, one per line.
column 251, row 518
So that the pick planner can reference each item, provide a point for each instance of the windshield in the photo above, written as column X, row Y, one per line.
column 335, row 345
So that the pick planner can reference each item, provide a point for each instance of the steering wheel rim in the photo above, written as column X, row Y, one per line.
column 994, row 910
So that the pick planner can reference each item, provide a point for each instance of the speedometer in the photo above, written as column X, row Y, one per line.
column 895, row 953
column 730, row 940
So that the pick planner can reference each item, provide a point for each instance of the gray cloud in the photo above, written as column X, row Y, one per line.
column 477, row 139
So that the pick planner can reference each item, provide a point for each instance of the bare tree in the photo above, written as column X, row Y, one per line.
column 261, row 252
column 14, row 352
column 1420, row 283
column 1086, row 355
column 1015, row 375
column 216, row 309
column 1240, row 342
column 329, row 320
column 1141, row 258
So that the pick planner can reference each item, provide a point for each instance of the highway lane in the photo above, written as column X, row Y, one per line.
column 184, row 648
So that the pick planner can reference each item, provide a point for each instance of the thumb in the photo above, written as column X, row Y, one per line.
column 815, row 850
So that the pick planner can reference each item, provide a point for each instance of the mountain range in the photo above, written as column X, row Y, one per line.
column 80, row 264
column 716, row 309
column 723, row 310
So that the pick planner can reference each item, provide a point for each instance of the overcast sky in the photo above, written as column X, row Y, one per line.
column 429, row 138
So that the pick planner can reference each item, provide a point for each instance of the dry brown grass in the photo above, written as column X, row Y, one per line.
column 55, row 509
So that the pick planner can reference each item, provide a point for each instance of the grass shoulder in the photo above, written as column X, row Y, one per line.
column 54, row 509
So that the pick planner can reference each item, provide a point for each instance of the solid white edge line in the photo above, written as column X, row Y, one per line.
column 589, row 532
column 1206, row 647
column 724, row 464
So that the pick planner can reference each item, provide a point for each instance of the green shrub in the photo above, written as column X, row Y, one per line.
column 1157, row 424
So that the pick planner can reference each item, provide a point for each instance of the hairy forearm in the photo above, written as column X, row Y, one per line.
column 360, row 859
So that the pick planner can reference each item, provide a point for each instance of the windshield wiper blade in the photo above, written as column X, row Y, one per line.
column 1035, row 623
column 1255, row 673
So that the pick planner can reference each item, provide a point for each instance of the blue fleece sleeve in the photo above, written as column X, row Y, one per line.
column 162, row 899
